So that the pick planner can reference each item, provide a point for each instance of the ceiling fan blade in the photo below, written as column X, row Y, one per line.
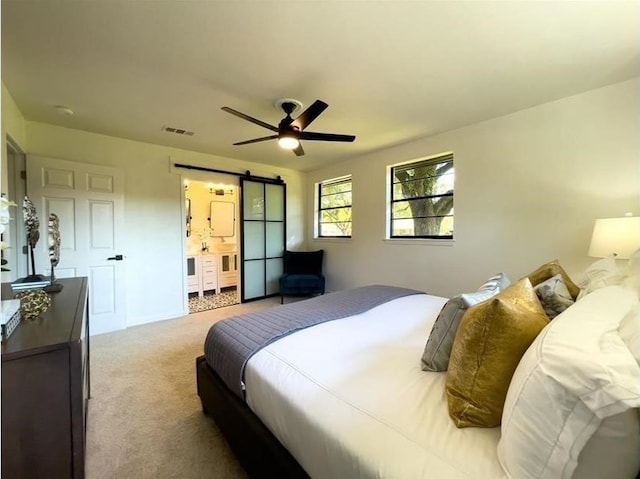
column 256, row 140
column 298, row 150
column 249, row 118
column 310, row 135
column 310, row 114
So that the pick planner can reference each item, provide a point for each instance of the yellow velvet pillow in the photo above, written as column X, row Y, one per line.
column 549, row 270
column 490, row 341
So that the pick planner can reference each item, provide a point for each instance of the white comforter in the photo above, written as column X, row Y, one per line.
column 348, row 399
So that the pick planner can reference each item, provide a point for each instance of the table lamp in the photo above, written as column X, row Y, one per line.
column 615, row 236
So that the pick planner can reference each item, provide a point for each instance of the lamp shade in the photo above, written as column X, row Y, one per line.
column 618, row 236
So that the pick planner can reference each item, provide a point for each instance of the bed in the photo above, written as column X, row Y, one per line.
column 346, row 397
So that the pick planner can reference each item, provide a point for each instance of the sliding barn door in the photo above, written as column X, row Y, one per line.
column 263, row 223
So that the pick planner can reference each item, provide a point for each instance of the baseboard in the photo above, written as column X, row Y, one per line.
column 137, row 321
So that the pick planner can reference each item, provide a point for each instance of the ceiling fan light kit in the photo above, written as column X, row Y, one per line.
column 290, row 131
column 288, row 142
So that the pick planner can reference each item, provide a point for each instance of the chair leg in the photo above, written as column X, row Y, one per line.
column 281, row 299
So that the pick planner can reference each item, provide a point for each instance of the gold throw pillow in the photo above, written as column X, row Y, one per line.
column 490, row 341
column 549, row 270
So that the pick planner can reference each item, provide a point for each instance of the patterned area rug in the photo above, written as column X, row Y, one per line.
column 212, row 301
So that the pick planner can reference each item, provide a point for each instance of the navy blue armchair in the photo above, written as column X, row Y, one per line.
column 302, row 274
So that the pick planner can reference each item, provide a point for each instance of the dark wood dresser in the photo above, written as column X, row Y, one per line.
column 45, row 388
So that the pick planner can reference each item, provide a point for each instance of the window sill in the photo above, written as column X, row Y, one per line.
column 333, row 240
column 420, row 241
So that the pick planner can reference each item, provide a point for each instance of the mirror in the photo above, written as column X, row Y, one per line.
column 187, row 207
column 222, row 218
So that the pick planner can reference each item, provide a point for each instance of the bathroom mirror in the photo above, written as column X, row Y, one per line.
column 187, row 207
column 222, row 218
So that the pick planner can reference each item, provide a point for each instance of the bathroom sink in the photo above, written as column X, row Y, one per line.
column 223, row 247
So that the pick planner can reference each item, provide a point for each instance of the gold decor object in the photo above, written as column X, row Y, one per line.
column 549, row 270
column 490, row 341
column 33, row 303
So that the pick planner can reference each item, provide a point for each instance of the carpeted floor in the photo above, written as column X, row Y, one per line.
column 145, row 419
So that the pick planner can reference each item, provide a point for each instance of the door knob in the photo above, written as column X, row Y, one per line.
column 117, row 257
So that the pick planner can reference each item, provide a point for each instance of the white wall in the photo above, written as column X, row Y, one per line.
column 13, row 125
column 528, row 188
column 154, row 225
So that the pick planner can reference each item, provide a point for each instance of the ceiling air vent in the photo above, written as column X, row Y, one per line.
column 177, row 131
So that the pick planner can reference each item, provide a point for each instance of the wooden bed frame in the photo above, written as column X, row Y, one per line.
column 257, row 449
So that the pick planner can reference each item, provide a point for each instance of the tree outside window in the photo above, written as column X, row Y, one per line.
column 422, row 199
column 334, row 208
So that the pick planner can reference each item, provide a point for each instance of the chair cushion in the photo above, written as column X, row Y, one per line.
column 303, row 262
column 301, row 284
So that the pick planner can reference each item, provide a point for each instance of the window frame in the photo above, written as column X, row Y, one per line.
column 440, row 158
column 320, row 209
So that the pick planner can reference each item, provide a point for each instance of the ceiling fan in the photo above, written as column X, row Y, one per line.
column 290, row 131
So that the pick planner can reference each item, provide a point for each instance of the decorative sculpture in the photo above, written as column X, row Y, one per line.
column 53, row 242
column 32, row 227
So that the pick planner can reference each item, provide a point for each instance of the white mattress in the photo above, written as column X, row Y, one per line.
column 348, row 399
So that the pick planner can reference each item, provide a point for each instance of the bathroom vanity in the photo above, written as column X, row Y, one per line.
column 210, row 272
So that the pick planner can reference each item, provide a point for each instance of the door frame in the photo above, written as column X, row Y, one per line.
column 16, row 189
column 204, row 175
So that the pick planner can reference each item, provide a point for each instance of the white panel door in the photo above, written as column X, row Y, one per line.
column 89, row 201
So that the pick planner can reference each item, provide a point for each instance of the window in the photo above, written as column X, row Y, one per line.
column 334, row 208
column 422, row 199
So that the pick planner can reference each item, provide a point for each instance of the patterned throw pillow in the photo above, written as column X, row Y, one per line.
column 438, row 348
column 554, row 296
column 550, row 269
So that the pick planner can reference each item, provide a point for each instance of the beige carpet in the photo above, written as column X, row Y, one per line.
column 145, row 418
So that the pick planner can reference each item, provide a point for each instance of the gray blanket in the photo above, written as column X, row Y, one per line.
column 231, row 342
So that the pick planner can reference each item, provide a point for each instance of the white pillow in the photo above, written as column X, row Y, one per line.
column 608, row 272
column 600, row 273
column 577, row 372
column 629, row 331
column 612, row 451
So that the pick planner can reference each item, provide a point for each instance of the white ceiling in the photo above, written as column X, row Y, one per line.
column 391, row 71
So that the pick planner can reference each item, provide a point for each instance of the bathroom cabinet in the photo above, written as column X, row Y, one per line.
column 227, row 269
column 194, row 283
column 211, row 272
